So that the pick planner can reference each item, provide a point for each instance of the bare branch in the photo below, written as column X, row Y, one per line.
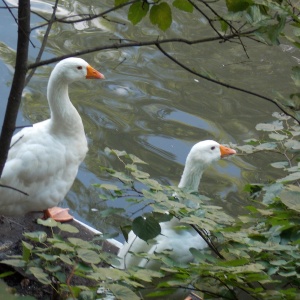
column 16, row 20
column 86, row 17
column 280, row 106
column 139, row 44
column 12, row 188
column 45, row 39
column 232, row 28
column 18, row 81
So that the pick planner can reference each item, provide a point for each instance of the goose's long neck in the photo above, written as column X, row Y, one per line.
column 64, row 116
column 191, row 175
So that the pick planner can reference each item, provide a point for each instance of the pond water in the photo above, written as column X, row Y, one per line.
column 149, row 106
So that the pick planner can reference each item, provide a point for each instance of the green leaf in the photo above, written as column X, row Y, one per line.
column 290, row 197
column 86, row 295
column 280, row 164
column 136, row 160
column 277, row 125
column 122, row 176
column 151, row 183
column 80, row 243
column 275, row 30
column 68, row 228
column 26, row 251
column 271, row 192
column 5, row 274
column 267, row 146
column 291, row 177
column 224, row 25
column 122, row 292
column 292, row 145
column 234, row 263
column 52, row 268
column 237, row 5
column 19, row 263
column 119, row 2
column 162, row 294
column 89, row 256
column 83, row 268
column 40, row 275
column 137, row 11
column 140, row 174
column 146, row 228
column 48, row 223
column 161, row 15
column 115, row 152
column 279, row 262
column 111, row 211
column 184, row 5
column 66, row 259
column 63, row 246
column 256, row 15
column 147, row 274
column 36, row 236
column 47, row 257
column 277, row 136
column 288, row 274
column 61, row 276
column 296, row 75
column 109, row 187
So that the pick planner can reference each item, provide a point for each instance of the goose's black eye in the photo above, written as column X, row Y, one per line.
column 79, row 68
column 213, row 148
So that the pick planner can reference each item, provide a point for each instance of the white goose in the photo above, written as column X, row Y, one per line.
column 199, row 158
column 43, row 159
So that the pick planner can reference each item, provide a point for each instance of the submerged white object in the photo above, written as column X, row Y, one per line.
column 179, row 241
column 43, row 159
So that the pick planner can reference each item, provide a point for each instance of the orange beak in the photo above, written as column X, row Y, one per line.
column 93, row 74
column 225, row 151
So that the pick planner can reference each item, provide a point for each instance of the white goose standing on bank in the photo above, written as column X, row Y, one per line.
column 199, row 158
column 43, row 159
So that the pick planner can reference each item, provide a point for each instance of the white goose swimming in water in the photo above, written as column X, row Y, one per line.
column 43, row 159
column 199, row 158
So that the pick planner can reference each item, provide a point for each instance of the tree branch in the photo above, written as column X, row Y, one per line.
column 87, row 17
column 44, row 42
column 276, row 103
column 158, row 43
column 141, row 44
column 18, row 81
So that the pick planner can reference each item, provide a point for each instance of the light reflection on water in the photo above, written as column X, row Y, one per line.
column 150, row 107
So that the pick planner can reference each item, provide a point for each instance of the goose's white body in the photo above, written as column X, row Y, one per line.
column 43, row 160
column 179, row 241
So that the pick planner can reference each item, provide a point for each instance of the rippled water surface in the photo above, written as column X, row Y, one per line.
column 151, row 107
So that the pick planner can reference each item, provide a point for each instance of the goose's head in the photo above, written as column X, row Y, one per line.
column 206, row 152
column 75, row 69
column 200, row 157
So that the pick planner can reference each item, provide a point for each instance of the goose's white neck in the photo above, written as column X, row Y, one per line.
column 191, row 175
column 64, row 116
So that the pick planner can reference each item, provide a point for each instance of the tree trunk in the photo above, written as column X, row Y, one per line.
column 17, row 86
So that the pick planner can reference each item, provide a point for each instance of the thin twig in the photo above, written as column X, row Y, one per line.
column 87, row 17
column 68, row 281
column 16, row 20
column 227, row 22
column 43, row 46
column 12, row 188
column 138, row 44
column 207, row 18
column 226, row 84
column 16, row 141
column 207, row 240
